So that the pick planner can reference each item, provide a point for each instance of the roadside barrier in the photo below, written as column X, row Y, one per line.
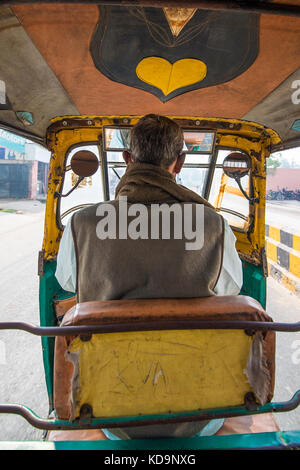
column 283, row 255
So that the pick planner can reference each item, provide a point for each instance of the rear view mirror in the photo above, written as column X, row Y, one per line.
column 198, row 141
column 84, row 163
column 116, row 139
column 237, row 165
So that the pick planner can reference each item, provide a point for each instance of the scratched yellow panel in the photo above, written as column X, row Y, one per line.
column 123, row 374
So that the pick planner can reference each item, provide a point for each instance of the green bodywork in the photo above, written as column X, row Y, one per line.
column 255, row 283
column 49, row 290
column 269, row 440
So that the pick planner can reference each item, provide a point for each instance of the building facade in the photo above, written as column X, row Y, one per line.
column 24, row 168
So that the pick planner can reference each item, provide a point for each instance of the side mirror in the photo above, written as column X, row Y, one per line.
column 237, row 165
column 83, row 163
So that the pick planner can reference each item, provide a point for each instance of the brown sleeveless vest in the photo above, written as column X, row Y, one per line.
column 110, row 269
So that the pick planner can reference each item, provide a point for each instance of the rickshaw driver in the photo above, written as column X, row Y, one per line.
column 154, row 160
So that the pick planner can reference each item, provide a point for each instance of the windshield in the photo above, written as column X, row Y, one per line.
column 202, row 172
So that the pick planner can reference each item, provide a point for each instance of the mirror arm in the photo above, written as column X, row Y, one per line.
column 250, row 199
column 72, row 189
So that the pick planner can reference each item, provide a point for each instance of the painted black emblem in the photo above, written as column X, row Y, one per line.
column 168, row 53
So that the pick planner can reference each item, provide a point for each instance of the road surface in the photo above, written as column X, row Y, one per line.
column 21, row 369
column 284, row 215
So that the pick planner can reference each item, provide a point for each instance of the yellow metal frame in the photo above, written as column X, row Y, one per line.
column 254, row 139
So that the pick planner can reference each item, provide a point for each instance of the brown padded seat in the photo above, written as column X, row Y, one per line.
column 140, row 310
column 156, row 311
column 63, row 305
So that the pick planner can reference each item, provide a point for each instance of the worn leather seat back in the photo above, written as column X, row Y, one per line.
column 173, row 367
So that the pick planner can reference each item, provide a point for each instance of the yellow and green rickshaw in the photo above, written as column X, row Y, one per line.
column 75, row 76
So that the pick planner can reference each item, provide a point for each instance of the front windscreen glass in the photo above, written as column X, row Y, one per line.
column 224, row 192
column 115, row 170
column 194, row 141
column 198, row 148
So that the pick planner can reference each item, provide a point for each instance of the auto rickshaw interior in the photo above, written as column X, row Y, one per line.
column 215, row 72
column 225, row 163
column 225, row 166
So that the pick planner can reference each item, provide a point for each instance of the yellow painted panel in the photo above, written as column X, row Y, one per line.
column 295, row 264
column 296, row 242
column 274, row 233
column 271, row 251
column 126, row 374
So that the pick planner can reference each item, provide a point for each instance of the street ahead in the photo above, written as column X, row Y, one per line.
column 21, row 369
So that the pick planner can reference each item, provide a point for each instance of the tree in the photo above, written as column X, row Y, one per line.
column 273, row 162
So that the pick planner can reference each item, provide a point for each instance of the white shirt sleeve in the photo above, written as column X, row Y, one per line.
column 231, row 276
column 66, row 261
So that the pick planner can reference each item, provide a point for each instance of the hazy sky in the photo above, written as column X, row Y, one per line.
column 291, row 155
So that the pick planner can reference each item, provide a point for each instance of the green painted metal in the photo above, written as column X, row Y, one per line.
column 255, row 283
column 238, row 441
column 49, row 290
column 96, row 423
column 215, row 413
column 270, row 440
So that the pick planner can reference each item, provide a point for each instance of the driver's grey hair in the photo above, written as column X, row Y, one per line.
column 157, row 140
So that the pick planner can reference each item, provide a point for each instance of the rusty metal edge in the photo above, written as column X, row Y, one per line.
column 150, row 326
column 196, row 415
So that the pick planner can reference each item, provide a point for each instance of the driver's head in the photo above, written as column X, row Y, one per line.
column 157, row 140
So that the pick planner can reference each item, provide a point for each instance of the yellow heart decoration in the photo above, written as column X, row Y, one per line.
column 168, row 77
